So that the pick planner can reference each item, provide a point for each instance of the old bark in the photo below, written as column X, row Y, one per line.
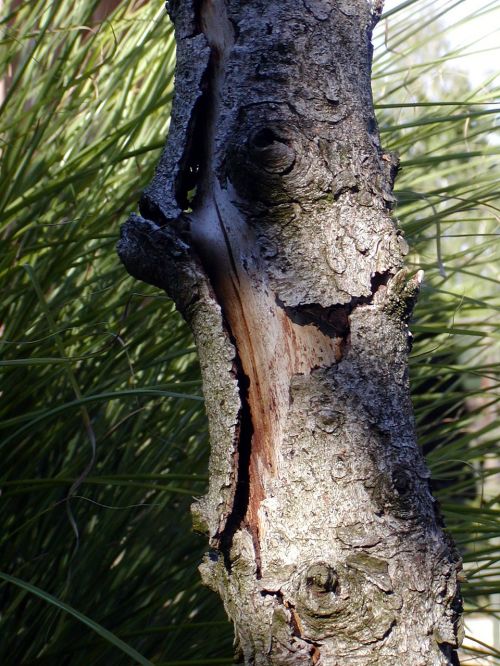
column 268, row 222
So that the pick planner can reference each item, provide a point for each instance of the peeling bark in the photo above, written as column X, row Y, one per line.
column 269, row 224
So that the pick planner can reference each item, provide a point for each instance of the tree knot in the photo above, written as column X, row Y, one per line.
column 270, row 149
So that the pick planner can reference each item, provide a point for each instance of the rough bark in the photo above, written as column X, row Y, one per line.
column 269, row 224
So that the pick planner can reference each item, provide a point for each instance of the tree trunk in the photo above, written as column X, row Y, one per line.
column 268, row 222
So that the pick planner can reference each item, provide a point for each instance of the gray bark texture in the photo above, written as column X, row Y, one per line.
column 269, row 224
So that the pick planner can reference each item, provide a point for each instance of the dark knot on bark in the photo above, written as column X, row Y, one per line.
column 321, row 579
column 269, row 149
column 401, row 480
column 319, row 591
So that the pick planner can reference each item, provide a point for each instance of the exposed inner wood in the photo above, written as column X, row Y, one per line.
column 271, row 347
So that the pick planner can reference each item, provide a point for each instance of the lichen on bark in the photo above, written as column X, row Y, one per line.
column 269, row 223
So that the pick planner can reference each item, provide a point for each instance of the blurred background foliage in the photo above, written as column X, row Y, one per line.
column 103, row 437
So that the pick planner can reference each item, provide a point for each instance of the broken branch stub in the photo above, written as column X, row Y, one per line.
column 269, row 224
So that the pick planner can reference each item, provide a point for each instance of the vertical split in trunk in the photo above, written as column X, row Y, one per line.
column 269, row 224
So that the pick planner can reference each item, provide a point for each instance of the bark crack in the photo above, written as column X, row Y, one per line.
column 219, row 260
column 334, row 321
column 243, row 448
